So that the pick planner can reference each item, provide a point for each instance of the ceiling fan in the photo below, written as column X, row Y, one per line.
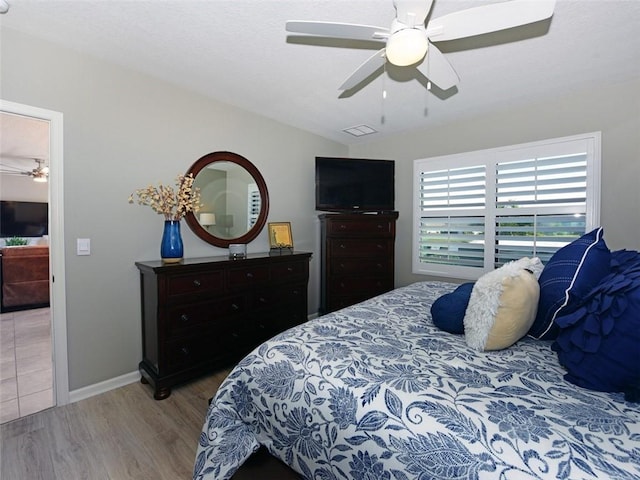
column 39, row 174
column 409, row 42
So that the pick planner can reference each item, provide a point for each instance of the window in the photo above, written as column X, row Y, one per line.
column 475, row 211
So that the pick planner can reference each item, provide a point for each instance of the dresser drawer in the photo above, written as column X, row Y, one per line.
column 367, row 226
column 359, row 247
column 244, row 276
column 205, row 282
column 206, row 315
column 191, row 351
column 284, row 272
column 365, row 266
column 272, row 297
column 353, row 284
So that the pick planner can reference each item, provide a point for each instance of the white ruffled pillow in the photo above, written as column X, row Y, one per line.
column 503, row 305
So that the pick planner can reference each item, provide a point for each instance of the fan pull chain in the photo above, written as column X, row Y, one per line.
column 384, row 94
column 426, row 98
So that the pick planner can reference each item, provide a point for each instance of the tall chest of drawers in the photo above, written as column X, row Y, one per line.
column 357, row 261
column 205, row 313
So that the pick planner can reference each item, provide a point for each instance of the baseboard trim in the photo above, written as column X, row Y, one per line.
column 102, row 387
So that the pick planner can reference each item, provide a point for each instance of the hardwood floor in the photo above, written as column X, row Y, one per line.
column 121, row 434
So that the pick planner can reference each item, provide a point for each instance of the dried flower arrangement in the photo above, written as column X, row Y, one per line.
column 173, row 204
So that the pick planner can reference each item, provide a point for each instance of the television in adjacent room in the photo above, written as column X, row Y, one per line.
column 352, row 185
column 23, row 219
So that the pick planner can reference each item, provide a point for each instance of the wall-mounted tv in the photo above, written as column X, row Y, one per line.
column 355, row 185
column 23, row 219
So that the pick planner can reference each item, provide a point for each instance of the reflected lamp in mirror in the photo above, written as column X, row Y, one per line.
column 207, row 220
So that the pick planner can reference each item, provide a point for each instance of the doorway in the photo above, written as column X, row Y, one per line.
column 46, row 327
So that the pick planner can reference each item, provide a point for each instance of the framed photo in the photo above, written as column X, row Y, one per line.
column 280, row 235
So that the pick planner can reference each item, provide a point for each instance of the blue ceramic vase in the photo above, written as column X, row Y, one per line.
column 171, row 249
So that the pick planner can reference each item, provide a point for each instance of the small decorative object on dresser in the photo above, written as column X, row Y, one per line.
column 206, row 313
column 237, row 250
column 280, row 237
column 357, row 258
column 173, row 205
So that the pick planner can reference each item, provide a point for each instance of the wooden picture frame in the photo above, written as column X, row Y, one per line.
column 280, row 235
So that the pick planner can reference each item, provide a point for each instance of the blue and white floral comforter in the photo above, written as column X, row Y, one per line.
column 376, row 391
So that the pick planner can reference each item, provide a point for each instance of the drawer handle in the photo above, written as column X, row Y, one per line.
column 380, row 226
column 197, row 283
column 184, row 317
column 249, row 275
column 184, row 351
column 290, row 269
column 342, row 245
column 343, row 226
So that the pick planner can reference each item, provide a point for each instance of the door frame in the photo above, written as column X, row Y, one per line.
column 56, row 243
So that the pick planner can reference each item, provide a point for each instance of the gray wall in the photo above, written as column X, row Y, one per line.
column 122, row 131
column 614, row 110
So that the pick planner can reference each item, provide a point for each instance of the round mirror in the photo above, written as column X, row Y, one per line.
column 234, row 199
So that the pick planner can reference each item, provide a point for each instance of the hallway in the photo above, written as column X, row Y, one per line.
column 26, row 374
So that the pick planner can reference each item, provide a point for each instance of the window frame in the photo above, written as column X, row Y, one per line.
column 590, row 143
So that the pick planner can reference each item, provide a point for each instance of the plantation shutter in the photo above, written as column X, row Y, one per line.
column 450, row 234
column 476, row 211
column 540, row 206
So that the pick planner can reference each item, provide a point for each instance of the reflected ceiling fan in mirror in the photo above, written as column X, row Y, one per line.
column 39, row 174
column 409, row 42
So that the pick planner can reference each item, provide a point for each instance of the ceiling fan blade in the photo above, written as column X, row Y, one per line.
column 372, row 64
column 491, row 18
column 12, row 169
column 438, row 70
column 412, row 12
column 338, row 30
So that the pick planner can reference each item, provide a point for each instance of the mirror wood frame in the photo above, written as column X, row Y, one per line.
column 254, row 231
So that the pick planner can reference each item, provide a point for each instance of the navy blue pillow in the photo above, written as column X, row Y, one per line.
column 448, row 311
column 599, row 343
column 567, row 278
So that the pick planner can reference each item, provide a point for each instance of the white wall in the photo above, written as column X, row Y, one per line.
column 122, row 131
column 614, row 110
column 23, row 189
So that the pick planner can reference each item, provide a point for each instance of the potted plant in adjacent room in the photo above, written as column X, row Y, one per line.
column 16, row 242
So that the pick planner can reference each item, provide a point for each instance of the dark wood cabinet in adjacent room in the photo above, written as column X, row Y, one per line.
column 357, row 261
column 205, row 313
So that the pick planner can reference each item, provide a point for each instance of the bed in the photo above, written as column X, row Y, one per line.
column 376, row 391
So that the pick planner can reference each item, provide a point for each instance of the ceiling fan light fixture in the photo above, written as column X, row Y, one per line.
column 406, row 47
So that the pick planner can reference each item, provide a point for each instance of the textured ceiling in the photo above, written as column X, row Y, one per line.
column 238, row 51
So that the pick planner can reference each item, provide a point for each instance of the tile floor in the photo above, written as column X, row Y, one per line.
column 26, row 374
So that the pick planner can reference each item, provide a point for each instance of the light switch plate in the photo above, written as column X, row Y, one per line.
column 83, row 246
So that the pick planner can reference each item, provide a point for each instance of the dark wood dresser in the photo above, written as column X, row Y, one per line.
column 357, row 261
column 205, row 313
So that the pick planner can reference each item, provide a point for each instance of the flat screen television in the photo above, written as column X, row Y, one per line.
column 23, row 219
column 355, row 185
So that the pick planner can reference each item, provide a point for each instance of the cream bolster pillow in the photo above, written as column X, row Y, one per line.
column 502, row 307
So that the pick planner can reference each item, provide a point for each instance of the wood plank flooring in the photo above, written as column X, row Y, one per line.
column 122, row 434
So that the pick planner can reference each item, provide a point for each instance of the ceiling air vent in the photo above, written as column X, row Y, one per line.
column 360, row 130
